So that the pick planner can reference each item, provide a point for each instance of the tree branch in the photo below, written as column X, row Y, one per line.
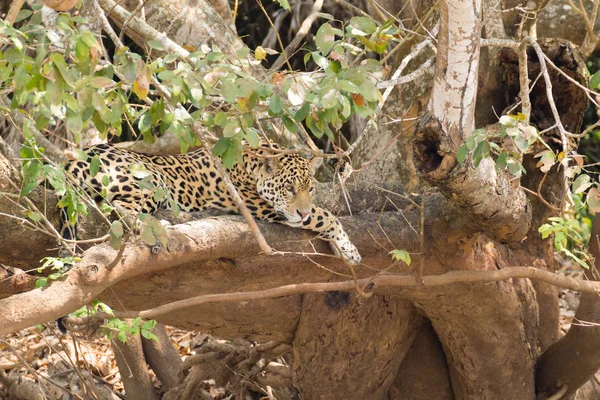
column 374, row 284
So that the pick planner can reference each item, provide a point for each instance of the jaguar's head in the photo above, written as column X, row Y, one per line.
column 287, row 183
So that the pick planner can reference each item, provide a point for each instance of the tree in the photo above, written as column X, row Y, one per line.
column 472, row 197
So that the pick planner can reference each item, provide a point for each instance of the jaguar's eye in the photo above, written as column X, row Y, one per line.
column 290, row 189
column 311, row 191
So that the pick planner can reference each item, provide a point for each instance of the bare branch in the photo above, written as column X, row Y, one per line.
column 408, row 282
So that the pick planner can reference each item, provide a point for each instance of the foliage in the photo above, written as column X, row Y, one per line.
column 59, row 266
column 508, row 146
column 401, row 255
column 569, row 238
column 515, row 139
column 115, row 327
column 56, row 77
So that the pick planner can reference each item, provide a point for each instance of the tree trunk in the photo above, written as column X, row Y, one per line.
column 349, row 347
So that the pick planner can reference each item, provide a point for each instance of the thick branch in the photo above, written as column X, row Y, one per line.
column 196, row 242
column 455, row 85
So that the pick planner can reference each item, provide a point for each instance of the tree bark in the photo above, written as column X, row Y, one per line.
column 361, row 343
column 133, row 369
column 423, row 374
column 162, row 357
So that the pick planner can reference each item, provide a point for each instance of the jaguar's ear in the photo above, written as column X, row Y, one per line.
column 270, row 165
column 315, row 163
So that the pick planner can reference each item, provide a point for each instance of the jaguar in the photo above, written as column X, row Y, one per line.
column 275, row 186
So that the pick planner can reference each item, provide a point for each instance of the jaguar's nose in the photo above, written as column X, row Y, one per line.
column 303, row 214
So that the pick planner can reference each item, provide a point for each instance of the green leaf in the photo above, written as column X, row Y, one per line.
column 501, row 160
column 581, row 184
column 89, row 39
column 320, row 60
column 229, row 91
column 138, row 171
column 23, row 14
column 102, row 82
column 155, row 44
column 149, row 325
column 27, row 189
column 595, row 80
column 232, row 128
column 122, row 336
column 232, row 155
column 116, row 234
column 62, row 67
column 348, row 86
column 325, row 38
column 252, row 138
column 148, row 236
column 221, row 146
column 401, row 255
column 275, row 104
column 40, row 283
column 34, row 216
column 576, row 259
column 290, row 124
column 461, row 154
column 13, row 55
column 545, row 230
column 362, row 26
column 159, row 195
column 149, row 335
column 145, row 122
column 481, row 151
column 284, row 4
column 95, row 165
column 302, row 112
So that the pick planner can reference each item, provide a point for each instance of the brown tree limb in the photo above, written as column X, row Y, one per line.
column 407, row 282
column 132, row 366
column 162, row 357
column 195, row 242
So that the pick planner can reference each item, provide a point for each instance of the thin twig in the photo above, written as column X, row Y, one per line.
column 300, row 35
column 524, row 83
column 283, row 52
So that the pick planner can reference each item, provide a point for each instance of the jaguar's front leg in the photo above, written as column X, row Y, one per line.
column 330, row 229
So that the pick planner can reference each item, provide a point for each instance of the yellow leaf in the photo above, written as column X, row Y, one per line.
column 260, row 53
column 141, row 85
column 243, row 103
column 560, row 156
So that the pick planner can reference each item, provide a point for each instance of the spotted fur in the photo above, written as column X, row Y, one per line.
column 274, row 189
